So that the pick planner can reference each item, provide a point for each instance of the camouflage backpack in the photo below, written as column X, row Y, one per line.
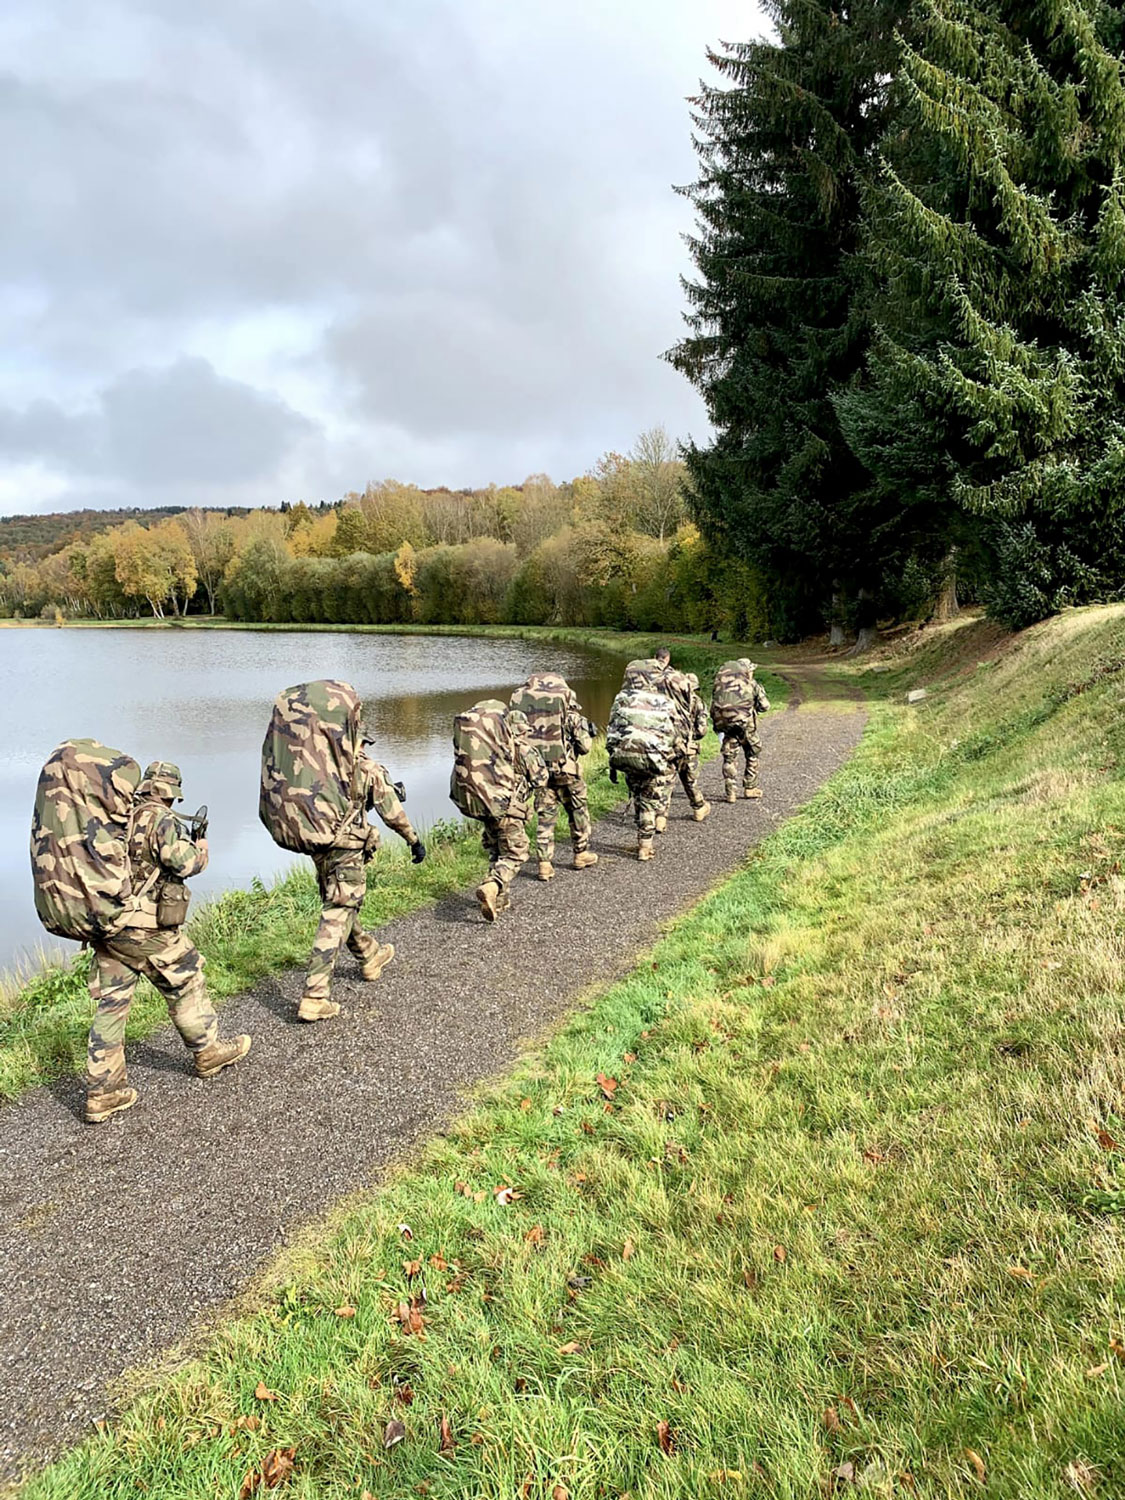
column 309, row 760
column 646, row 672
column 544, row 700
column 641, row 733
column 732, row 697
column 80, row 834
column 484, row 772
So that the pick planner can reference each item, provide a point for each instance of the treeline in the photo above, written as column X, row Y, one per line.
column 908, row 321
column 32, row 537
column 613, row 547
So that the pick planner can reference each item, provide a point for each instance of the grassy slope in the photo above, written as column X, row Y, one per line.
column 847, row 1213
column 248, row 934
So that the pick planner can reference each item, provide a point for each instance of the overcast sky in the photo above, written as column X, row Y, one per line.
column 258, row 250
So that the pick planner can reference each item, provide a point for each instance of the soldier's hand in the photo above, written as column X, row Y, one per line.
column 417, row 851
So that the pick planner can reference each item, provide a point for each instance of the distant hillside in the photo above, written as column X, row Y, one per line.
column 33, row 537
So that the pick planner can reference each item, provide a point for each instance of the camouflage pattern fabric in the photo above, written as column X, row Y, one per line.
column 648, row 794
column 175, row 967
column 508, row 847
column 308, row 793
column 646, row 673
column 158, row 846
column 484, row 763
column 79, row 840
column 545, row 701
column 740, row 742
column 641, row 736
column 571, row 792
column 737, row 697
column 162, row 779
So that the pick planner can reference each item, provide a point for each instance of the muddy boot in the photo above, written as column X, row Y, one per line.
column 585, row 859
column 546, row 870
column 731, row 794
column 99, row 1107
column 702, row 812
column 751, row 792
column 220, row 1055
column 372, row 967
column 312, row 1009
column 489, row 895
column 644, row 849
column 661, row 822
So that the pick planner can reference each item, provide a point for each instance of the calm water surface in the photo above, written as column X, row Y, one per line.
column 202, row 698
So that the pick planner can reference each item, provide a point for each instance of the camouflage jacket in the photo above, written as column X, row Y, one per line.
column 158, row 847
column 374, row 793
column 578, row 733
column 531, row 774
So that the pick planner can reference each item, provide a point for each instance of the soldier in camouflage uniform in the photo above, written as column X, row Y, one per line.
column 566, row 785
column 691, row 726
column 506, row 839
column 342, row 880
column 160, row 853
column 742, row 738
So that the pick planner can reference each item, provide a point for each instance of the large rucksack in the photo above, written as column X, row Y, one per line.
column 80, row 833
column 641, row 734
column 309, row 766
column 733, row 697
column 645, row 672
column 543, row 700
column 484, row 771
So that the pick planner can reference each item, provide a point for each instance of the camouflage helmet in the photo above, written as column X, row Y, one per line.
column 162, row 779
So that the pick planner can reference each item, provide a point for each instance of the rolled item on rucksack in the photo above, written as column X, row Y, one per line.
column 642, row 732
column 732, row 696
column 309, row 766
column 80, row 840
column 543, row 700
column 484, row 772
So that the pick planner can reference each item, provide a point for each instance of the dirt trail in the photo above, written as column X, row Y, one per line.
column 117, row 1240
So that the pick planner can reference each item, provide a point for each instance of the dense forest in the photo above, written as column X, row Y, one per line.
column 907, row 321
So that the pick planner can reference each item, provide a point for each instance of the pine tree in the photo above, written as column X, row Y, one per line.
column 776, row 326
column 996, row 241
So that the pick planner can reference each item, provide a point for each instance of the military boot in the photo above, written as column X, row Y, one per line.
column 546, row 870
column 751, row 792
column 731, row 794
column 504, row 902
column 372, row 967
column 702, row 812
column 644, row 849
column 312, row 1009
column 584, row 859
column 220, row 1055
column 489, row 895
column 99, row 1107
column 661, row 822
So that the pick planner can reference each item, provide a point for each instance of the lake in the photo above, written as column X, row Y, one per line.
column 202, row 698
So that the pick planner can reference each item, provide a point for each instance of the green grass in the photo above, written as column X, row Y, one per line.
column 246, row 935
column 837, row 1210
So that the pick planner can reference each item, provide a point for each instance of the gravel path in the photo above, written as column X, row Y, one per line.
column 115, row 1241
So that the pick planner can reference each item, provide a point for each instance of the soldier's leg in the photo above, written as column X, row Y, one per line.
column 689, row 779
column 753, row 747
column 175, row 966
column 661, row 789
column 112, row 984
column 490, row 838
column 342, row 885
column 576, row 799
column 512, row 848
column 731, row 747
column 649, row 797
column 547, row 812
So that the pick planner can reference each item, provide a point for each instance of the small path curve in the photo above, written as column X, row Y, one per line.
column 116, row 1241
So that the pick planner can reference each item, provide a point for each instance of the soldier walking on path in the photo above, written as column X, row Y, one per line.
column 737, row 698
column 153, row 944
column 691, row 725
column 318, row 785
column 641, row 741
column 561, row 732
column 496, row 769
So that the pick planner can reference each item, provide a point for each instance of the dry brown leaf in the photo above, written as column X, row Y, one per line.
column 628, row 1250
column 1021, row 1273
column 629, row 1057
column 417, row 1321
column 505, row 1195
column 393, row 1433
column 560, row 1492
column 665, row 1437
column 571, row 1348
column 251, row 1423
column 1106, row 1141
column 534, row 1235
column 412, row 1268
column 525, row 1487
column 277, row 1466
column 347, row 1311
column 849, row 1405
column 832, row 1419
column 1095, row 1370
column 780, row 1254
column 525, row 1105
column 249, row 1484
column 264, row 1393
column 439, row 1262
column 1117, row 1348
column 977, row 1462
column 446, row 1443
column 608, row 1086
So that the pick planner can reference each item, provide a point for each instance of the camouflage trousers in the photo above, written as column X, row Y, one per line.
column 649, row 801
column 175, row 967
column 686, row 767
column 571, row 792
column 342, row 880
column 746, row 742
column 507, row 845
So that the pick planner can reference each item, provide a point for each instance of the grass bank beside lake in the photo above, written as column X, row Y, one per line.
column 826, row 1194
column 245, row 935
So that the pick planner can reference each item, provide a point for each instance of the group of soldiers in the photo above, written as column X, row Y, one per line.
column 164, row 850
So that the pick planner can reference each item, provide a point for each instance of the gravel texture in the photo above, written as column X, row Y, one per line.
column 117, row 1240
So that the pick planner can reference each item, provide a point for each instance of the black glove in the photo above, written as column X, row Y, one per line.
column 417, row 851
column 399, row 790
column 613, row 774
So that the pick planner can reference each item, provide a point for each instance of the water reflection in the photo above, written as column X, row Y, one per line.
column 202, row 698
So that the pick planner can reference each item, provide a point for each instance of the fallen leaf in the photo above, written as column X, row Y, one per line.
column 832, row 1419
column 534, row 1235
column 1117, row 1348
column 780, row 1254
column 845, row 1474
column 849, row 1404
column 560, row 1492
column 665, row 1437
column 463, row 1188
column 446, row 1444
column 525, row 1487
column 505, row 1195
column 571, row 1348
column 412, row 1268
column 100, row 1424
column 439, row 1262
column 249, row 1484
column 1106, row 1141
column 628, row 1250
column 977, row 1462
column 264, row 1393
column 402, row 1313
column 417, row 1321
column 587, row 1128
column 393, row 1433
column 347, row 1311
column 406, row 1231
column 525, row 1105
column 608, row 1086
column 629, row 1057
column 277, row 1466
column 1021, row 1273
column 1095, row 1370
column 251, row 1423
